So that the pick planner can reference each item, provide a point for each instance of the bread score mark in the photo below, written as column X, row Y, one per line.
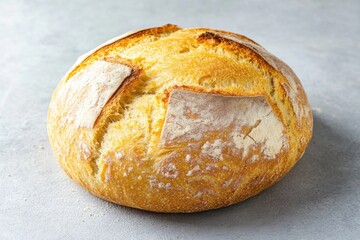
column 193, row 116
column 86, row 93
column 291, row 88
column 134, row 33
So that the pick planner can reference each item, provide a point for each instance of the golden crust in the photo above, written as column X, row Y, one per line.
column 121, row 159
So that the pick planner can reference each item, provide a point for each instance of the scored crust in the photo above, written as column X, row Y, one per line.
column 291, row 87
column 88, row 92
column 244, row 122
column 183, row 120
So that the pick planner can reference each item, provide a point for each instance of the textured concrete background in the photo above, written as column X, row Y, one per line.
column 318, row 199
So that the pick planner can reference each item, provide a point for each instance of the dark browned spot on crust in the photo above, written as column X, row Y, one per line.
column 272, row 86
column 228, row 33
column 210, row 36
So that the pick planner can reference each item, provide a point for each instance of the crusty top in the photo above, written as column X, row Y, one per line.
column 165, row 112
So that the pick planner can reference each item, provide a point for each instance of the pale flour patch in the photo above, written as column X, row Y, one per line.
column 254, row 158
column 155, row 183
column 269, row 133
column 191, row 116
column 194, row 170
column 169, row 171
column 225, row 168
column 236, row 183
column 243, row 142
column 227, row 183
column 203, row 192
column 299, row 109
column 118, row 155
column 213, row 149
column 198, row 194
column 86, row 93
column 108, row 164
column 84, row 151
column 168, row 186
column 211, row 166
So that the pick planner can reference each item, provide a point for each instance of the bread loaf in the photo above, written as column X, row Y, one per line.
column 178, row 120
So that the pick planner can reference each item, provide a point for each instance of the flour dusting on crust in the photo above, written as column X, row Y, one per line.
column 291, row 89
column 84, row 152
column 249, row 122
column 86, row 94
column 213, row 149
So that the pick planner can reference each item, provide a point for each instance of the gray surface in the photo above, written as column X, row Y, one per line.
column 319, row 198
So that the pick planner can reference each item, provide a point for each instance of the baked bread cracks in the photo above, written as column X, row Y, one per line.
column 178, row 120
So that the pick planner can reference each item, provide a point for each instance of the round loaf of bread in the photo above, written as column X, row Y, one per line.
column 178, row 120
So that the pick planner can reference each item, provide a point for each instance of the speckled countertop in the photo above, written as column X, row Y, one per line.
column 319, row 198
